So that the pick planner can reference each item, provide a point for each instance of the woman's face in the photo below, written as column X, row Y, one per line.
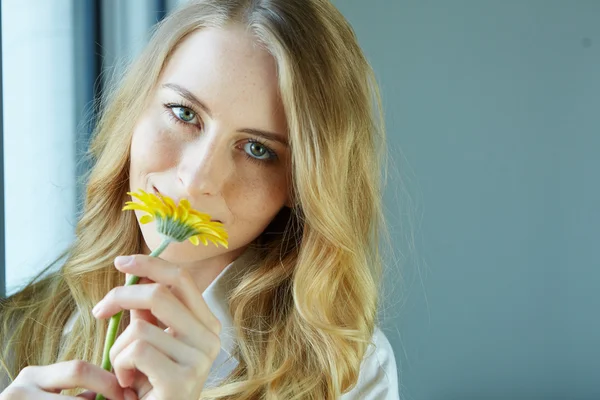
column 214, row 132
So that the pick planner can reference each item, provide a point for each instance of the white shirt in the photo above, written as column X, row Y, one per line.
column 378, row 377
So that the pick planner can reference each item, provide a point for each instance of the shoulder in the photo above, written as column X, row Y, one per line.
column 378, row 377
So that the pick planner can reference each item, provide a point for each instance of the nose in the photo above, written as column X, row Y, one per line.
column 203, row 168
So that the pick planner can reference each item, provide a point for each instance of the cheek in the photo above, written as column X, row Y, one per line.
column 151, row 148
column 257, row 198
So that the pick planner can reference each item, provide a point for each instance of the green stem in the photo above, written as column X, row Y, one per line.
column 113, row 325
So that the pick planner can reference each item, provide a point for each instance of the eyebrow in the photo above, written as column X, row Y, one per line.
column 275, row 137
column 196, row 101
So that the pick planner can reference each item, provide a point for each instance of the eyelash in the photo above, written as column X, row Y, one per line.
column 272, row 155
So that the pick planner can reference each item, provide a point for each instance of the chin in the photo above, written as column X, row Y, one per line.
column 187, row 252
column 178, row 251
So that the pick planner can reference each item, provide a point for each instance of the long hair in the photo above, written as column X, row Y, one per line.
column 305, row 308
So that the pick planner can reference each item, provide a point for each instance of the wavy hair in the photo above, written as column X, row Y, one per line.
column 305, row 308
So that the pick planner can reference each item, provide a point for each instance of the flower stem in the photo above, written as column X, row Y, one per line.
column 113, row 325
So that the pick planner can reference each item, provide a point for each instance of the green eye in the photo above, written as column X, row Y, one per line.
column 257, row 149
column 184, row 114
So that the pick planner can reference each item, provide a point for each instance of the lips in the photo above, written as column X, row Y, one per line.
column 176, row 200
column 157, row 192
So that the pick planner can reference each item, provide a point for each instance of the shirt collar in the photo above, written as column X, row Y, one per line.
column 216, row 296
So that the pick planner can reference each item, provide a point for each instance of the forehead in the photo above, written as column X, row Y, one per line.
column 225, row 67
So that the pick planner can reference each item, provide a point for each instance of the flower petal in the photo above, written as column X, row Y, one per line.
column 137, row 206
column 170, row 203
column 146, row 219
column 182, row 212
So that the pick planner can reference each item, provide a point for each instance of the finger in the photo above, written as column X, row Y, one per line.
column 179, row 280
column 143, row 314
column 31, row 392
column 144, row 357
column 175, row 349
column 164, row 305
column 71, row 375
column 89, row 395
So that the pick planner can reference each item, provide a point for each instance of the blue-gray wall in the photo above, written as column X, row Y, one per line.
column 496, row 106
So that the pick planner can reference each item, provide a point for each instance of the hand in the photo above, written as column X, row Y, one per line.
column 162, row 364
column 46, row 382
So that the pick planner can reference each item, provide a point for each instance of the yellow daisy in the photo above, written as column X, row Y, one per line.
column 177, row 221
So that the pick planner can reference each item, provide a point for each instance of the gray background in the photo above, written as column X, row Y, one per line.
column 495, row 106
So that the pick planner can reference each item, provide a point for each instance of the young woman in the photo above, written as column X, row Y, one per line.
column 264, row 114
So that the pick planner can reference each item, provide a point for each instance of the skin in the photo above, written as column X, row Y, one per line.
column 203, row 158
column 206, row 159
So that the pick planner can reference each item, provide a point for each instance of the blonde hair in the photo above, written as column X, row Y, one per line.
column 305, row 308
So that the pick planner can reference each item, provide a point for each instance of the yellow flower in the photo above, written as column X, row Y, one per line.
column 178, row 221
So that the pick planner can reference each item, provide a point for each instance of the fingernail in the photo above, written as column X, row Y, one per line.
column 129, row 394
column 123, row 261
